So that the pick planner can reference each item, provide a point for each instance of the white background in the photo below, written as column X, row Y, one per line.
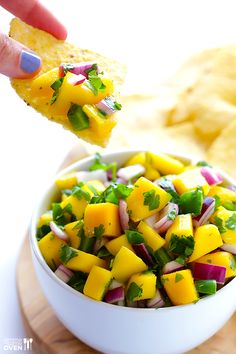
column 153, row 38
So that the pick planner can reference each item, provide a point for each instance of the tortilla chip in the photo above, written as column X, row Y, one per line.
column 54, row 52
column 205, row 90
column 222, row 152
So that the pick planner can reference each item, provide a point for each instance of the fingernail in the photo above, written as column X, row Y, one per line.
column 29, row 62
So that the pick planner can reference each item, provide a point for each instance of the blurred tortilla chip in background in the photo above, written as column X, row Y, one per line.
column 193, row 113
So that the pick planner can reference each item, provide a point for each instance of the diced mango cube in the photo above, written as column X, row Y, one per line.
column 166, row 164
column 41, row 85
column 103, row 215
column 78, row 94
column 226, row 219
column 146, row 281
column 180, row 287
column 125, row 264
column 223, row 193
column 151, row 237
column 207, row 238
column 97, row 283
column 94, row 186
column 73, row 230
column 143, row 159
column 190, row 180
column 67, row 181
column 146, row 199
column 99, row 124
column 221, row 258
column 77, row 205
column 137, row 159
column 84, row 261
column 45, row 218
column 50, row 246
column 182, row 226
column 115, row 245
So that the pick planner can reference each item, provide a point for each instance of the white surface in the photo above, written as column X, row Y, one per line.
column 129, row 330
column 153, row 37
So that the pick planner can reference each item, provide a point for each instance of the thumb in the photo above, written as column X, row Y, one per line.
column 16, row 61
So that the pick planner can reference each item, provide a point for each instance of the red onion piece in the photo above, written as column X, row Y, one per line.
column 229, row 248
column 115, row 295
column 141, row 304
column 163, row 224
column 208, row 208
column 130, row 172
column 86, row 176
column 77, row 68
column 123, row 215
column 115, row 284
column 142, row 252
column 165, row 184
column 76, row 80
column 105, row 108
column 64, row 273
column 57, row 231
column 208, row 271
column 151, row 220
column 99, row 243
column 156, row 301
column 232, row 188
column 211, row 176
column 172, row 266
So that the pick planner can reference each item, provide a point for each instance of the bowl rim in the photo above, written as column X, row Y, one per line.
column 36, row 251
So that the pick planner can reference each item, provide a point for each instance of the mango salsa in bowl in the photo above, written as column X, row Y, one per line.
column 134, row 246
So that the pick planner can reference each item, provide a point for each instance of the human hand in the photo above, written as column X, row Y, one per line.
column 15, row 59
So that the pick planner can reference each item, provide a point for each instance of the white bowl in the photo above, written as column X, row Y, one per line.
column 122, row 330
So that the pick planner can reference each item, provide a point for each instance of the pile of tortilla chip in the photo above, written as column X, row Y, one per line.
column 193, row 113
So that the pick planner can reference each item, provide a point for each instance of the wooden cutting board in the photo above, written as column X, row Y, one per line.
column 51, row 337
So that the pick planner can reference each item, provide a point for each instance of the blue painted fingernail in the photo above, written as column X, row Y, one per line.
column 29, row 62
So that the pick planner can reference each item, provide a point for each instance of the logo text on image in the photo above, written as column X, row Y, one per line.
column 17, row 344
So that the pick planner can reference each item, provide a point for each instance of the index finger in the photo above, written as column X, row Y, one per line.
column 36, row 15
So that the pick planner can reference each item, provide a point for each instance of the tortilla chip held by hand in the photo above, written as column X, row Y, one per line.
column 76, row 87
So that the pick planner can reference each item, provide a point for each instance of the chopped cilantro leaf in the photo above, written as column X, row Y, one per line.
column 230, row 223
column 232, row 263
column 99, row 165
column 217, row 202
column 219, row 223
column 151, row 199
column 94, row 82
column 117, row 106
column 103, row 252
column 178, row 277
column 112, row 194
column 229, row 205
column 134, row 237
column 92, row 68
column 77, row 281
column 79, row 193
column 134, row 291
column 182, row 246
column 99, row 231
column 172, row 215
column 203, row 163
column 66, row 253
column 78, row 119
column 42, row 231
column 60, row 215
column 181, row 260
column 191, row 202
column 56, row 86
